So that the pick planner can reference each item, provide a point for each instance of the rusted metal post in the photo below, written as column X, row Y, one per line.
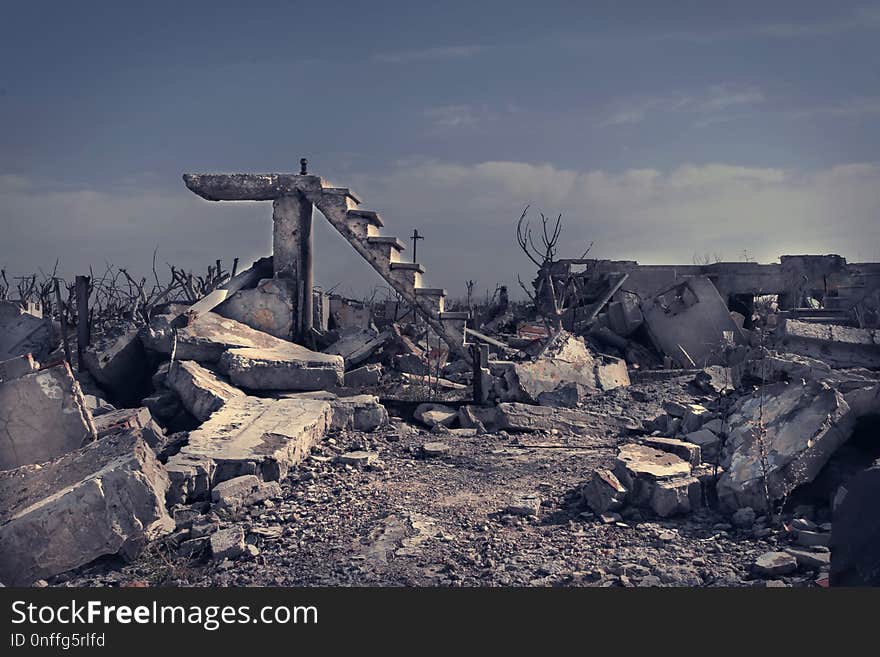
column 83, row 327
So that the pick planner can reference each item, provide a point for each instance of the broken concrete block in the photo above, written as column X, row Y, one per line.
column 127, row 419
column 42, row 416
column 675, row 496
column 687, row 451
column 200, row 390
column 23, row 332
column 625, row 316
column 771, row 564
column 98, row 406
column 288, row 366
column 855, row 533
column 362, row 377
column 106, row 498
column 433, row 414
column 227, row 543
column 565, row 395
column 525, row 417
column 249, row 435
column 688, row 322
column 611, row 373
column 718, row 379
column 120, row 364
column 164, row 405
column 603, row 492
column 239, row 492
column 358, row 458
column 803, row 425
column 478, row 417
column 435, row 449
column 837, row 346
column 411, row 364
column 358, row 412
column 809, row 560
column 356, row 346
column 639, row 461
column 269, row 307
column 695, row 417
column 708, row 442
column 524, row 505
column 18, row 366
column 204, row 339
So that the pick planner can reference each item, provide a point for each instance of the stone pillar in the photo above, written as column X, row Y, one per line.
column 292, row 255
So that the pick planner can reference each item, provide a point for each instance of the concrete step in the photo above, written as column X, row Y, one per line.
column 407, row 274
column 431, row 298
column 368, row 215
column 388, row 247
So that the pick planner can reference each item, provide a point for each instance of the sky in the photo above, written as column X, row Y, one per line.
column 662, row 132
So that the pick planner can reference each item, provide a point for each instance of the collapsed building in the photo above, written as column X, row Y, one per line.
column 163, row 428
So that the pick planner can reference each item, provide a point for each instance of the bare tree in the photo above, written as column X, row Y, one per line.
column 550, row 298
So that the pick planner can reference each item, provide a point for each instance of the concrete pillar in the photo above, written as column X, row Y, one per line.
column 292, row 255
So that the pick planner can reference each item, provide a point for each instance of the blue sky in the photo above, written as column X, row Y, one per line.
column 659, row 130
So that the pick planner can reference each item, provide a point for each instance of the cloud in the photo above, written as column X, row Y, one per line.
column 467, row 213
column 715, row 98
column 441, row 53
column 455, row 115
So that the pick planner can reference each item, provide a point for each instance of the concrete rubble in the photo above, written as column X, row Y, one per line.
column 246, row 428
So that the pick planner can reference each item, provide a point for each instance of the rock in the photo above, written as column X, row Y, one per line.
column 674, row 408
column 802, row 524
column 359, row 458
column 98, row 406
column 803, row 426
column 743, row 518
column 566, row 359
column 269, row 307
column 120, row 364
column 708, row 442
column 42, row 416
column 603, row 492
column 687, row 451
column 641, row 462
column 194, row 547
column 526, row 417
column 288, row 366
column 695, row 417
column 771, row 564
column 810, row 560
column 200, row 390
column 718, row 379
column 164, row 405
column 810, row 539
column 412, row 364
column 674, row 496
column 106, row 498
column 435, row 449
column 17, row 367
column 358, row 412
column 433, row 414
column 524, row 505
column 565, row 395
column 227, row 543
column 855, row 534
column 249, row 435
column 480, row 418
column 127, row 419
column 239, row 492
column 354, row 347
column 365, row 376
column 25, row 331
column 204, row 339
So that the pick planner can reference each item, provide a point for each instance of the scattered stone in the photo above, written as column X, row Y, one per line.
column 106, row 498
column 524, row 505
column 603, row 492
column 718, row 379
column 640, row 462
column 358, row 458
column 434, row 414
column 771, row 564
column 354, row 347
column 685, row 450
column 42, row 416
column 743, row 518
column 810, row 560
column 708, row 442
column 287, row 366
column 526, row 417
column 809, row 539
column 566, row 395
column 239, row 492
column 227, row 543
column 435, row 449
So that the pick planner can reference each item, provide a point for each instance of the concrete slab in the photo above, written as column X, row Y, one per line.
column 200, row 390
column 42, row 416
column 837, row 346
column 22, row 332
column 127, row 419
column 356, row 346
column 107, row 498
column 121, row 366
column 357, row 412
column 249, row 435
column 286, row 366
column 18, row 366
column 268, row 308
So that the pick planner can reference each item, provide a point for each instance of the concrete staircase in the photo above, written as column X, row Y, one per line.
column 362, row 230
